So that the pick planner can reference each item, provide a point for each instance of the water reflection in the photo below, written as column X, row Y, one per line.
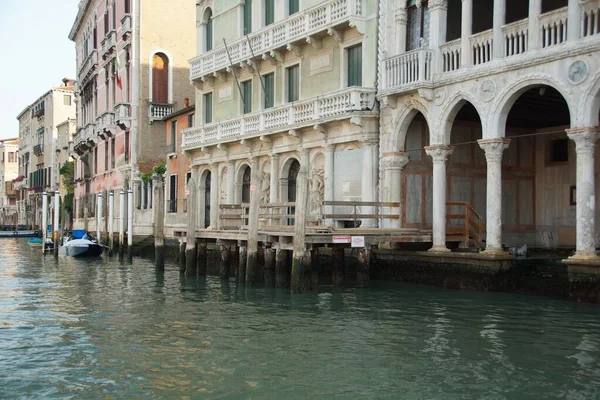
column 97, row 329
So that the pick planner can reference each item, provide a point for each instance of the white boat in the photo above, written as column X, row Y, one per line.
column 78, row 244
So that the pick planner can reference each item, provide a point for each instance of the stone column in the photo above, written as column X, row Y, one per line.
column 440, row 155
column 438, row 16
column 274, row 183
column 368, row 187
column 574, row 18
column 535, row 9
column 392, row 166
column 298, row 281
column 253, row 272
column 585, row 143
column 190, row 249
column 466, row 32
column 400, row 34
column 328, row 181
column 231, row 182
column 493, row 219
column 499, row 22
column 214, row 196
column 159, row 222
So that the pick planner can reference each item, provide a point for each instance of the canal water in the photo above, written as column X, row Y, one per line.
column 103, row 329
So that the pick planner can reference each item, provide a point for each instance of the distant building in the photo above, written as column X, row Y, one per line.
column 9, row 171
column 132, row 71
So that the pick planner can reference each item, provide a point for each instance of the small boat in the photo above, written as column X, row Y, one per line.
column 80, row 244
column 36, row 243
column 13, row 234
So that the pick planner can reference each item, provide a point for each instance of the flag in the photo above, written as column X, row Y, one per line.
column 118, row 74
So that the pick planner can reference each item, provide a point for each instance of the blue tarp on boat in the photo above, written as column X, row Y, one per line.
column 78, row 233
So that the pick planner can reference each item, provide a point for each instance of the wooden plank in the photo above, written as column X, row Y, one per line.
column 455, row 216
column 360, row 216
column 360, row 204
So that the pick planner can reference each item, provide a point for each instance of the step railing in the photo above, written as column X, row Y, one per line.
column 464, row 222
column 271, row 215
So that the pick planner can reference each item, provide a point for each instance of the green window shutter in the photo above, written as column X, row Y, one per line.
column 293, row 83
column 293, row 6
column 247, row 93
column 208, row 108
column 269, row 81
column 269, row 12
column 209, row 34
column 248, row 17
column 354, row 55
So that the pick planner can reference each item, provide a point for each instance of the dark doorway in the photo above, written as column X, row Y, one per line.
column 207, row 201
column 292, row 179
column 173, row 194
column 246, row 185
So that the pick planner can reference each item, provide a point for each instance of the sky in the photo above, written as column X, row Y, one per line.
column 37, row 54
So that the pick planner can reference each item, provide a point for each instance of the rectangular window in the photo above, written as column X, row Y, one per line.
column 95, row 160
column 67, row 99
column 173, row 143
column 354, row 58
column 105, row 156
column 173, row 194
column 187, row 177
column 112, row 153
column 248, row 17
column 190, row 120
column 293, row 83
column 208, row 108
column 126, row 146
column 114, row 16
column 247, row 100
column 269, row 12
column 269, row 94
column 209, row 34
column 127, row 7
column 11, row 157
column 293, row 6
column 106, row 22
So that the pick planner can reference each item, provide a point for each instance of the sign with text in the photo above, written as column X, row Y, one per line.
column 358, row 241
column 341, row 239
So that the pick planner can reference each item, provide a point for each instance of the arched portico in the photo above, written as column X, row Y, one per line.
column 204, row 189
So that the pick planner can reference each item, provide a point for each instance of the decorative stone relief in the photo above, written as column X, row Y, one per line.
column 439, row 154
column 317, row 190
column 397, row 161
column 439, row 96
column 400, row 16
column 488, row 90
column 578, row 71
column 265, row 187
column 223, row 185
column 494, row 148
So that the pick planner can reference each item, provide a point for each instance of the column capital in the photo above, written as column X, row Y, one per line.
column 439, row 153
column 400, row 16
column 584, row 138
column 438, row 5
column 394, row 161
column 274, row 156
column 493, row 148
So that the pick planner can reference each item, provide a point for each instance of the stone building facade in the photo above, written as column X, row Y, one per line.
column 132, row 71
column 497, row 108
column 280, row 86
column 9, row 172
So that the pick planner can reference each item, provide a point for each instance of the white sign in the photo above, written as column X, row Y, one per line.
column 358, row 241
column 341, row 239
column 226, row 93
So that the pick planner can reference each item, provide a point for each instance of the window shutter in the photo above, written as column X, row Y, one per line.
column 269, row 12
column 248, row 17
column 293, row 81
column 293, row 6
column 269, row 81
column 208, row 108
column 247, row 92
column 209, row 34
column 354, row 55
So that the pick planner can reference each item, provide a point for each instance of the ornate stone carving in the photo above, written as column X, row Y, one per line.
column 400, row 16
column 439, row 154
column 578, row 71
column 493, row 148
column 265, row 188
column 223, row 185
column 438, row 5
column 439, row 96
column 396, row 161
column 317, row 190
column 584, row 138
column 488, row 90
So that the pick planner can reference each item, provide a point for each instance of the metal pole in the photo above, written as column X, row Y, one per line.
column 98, row 216
column 121, row 221
column 129, row 223
column 233, row 71
column 262, row 83
column 111, row 216
column 55, row 223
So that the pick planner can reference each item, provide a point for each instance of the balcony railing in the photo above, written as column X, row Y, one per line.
column 88, row 66
column 126, row 26
column 159, row 111
column 408, row 68
column 554, row 27
column 38, row 149
column 481, row 47
column 591, row 19
column 122, row 115
column 295, row 28
column 109, row 42
column 450, row 55
column 284, row 117
column 516, row 36
column 106, row 124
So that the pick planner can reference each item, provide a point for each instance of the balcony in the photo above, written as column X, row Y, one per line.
column 126, row 27
column 335, row 106
column 123, row 115
column 88, row 68
column 84, row 139
column 105, row 125
column 408, row 69
column 38, row 149
column 306, row 26
column 109, row 44
column 157, row 112
column 22, row 184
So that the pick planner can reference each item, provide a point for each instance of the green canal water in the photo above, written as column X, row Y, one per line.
column 103, row 329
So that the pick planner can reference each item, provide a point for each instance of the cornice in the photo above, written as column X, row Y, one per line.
column 83, row 8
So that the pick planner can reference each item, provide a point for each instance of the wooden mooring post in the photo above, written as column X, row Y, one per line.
column 121, row 224
column 202, row 257
column 253, row 273
column 190, row 249
column 269, row 265
column 225, row 264
column 363, row 272
column 159, row 222
column 243, row 256
column 299, row 283
column 282, row 268
column 337, row 254
column 129, row 226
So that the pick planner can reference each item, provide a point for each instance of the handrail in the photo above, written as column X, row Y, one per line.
column 472, row 227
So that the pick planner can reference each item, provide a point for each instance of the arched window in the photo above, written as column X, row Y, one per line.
column 208, row 37
column 207, row 200
column 160, row 78
column 246, row 185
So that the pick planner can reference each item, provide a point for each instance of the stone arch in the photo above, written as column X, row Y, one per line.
column 205, row 13
column 454, row 105
column 590, row 106
column 506, row 100
column 204, row 197
column 402, row 123
column 284, row 174
column 239, row 181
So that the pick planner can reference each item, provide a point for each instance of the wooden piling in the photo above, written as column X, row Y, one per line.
column 282, row 268
column 252, row 268
column 190, row 256
column 55, row 222
column 298, row 281
column 225, row 265
column 182, row 255
column 269, row 266
column 159, row 222
column 337, row 268
column 363, row 272
column 121, row 224
column 130, row 226
column 202, row 257
column 243, row 256
column 315, row 266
